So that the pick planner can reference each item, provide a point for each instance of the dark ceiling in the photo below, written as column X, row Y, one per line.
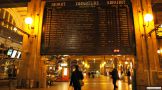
column 157, row 5
column 13, row 3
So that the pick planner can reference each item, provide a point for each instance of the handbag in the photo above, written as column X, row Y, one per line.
column 70, row 88
column 81, row 82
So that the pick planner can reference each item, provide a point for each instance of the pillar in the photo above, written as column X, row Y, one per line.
column 146, row 46
column 32, row 67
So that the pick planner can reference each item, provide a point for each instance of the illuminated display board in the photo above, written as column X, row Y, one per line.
column 87, row 27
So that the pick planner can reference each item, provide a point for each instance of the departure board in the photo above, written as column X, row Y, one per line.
column 87, row 27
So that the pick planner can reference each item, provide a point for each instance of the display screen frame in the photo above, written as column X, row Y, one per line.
column 13, row 55
column 18, row 54
column 9, row 52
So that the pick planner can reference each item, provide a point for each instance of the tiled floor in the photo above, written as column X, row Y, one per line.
column 101, row 83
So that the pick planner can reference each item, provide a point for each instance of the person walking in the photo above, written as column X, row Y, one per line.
column 76, row 78
column 114, row 77
column 128, row 75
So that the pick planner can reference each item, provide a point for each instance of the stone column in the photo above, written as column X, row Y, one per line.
column 146, row 45
column 30, row 69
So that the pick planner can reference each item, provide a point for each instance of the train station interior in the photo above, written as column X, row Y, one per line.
column 41, row 41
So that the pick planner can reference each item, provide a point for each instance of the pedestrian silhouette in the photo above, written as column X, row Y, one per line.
column 114, row 77
column 128, row 75
column 76, row 77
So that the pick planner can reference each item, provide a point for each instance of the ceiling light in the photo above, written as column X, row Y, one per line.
column 28, row 20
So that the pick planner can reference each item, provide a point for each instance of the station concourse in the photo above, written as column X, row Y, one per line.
column 42, row 40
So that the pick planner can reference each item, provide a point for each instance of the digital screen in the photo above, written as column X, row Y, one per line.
column 18, row 54
column 9, row 52
column 153, row 88
column 13, row 54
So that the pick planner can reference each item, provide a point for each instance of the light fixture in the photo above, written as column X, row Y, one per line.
column 65, row 71
column 64, row 64
column 116, row 50
column 83, row 63
column 160, row 26
column 59, row 68
column 15, row 29
column 104, row 63
column 148, row 17
column 65, row 55
column 88, row 66
column 28, row 20
column 126, row 62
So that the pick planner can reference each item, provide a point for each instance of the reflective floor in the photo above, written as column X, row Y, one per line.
column 100, row 83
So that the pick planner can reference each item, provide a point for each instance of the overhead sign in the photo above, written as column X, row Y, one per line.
column 88, row 3
column 87, row 27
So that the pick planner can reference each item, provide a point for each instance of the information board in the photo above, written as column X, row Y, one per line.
column 87, row 27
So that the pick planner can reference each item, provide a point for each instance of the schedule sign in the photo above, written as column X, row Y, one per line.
column 87, row 27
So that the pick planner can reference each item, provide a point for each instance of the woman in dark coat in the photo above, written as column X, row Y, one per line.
column 75, row 78
column 115, row 77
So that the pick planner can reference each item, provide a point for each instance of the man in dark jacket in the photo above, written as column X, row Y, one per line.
column 75, row 78
column 115, row 77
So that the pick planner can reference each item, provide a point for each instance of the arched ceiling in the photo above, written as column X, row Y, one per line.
column 19, row 14
column 17, row 8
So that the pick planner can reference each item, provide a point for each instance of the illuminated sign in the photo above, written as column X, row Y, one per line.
column 86, row 3
column 65, row 71
column 87, row 27
column 63, row 64
column 153, row 88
